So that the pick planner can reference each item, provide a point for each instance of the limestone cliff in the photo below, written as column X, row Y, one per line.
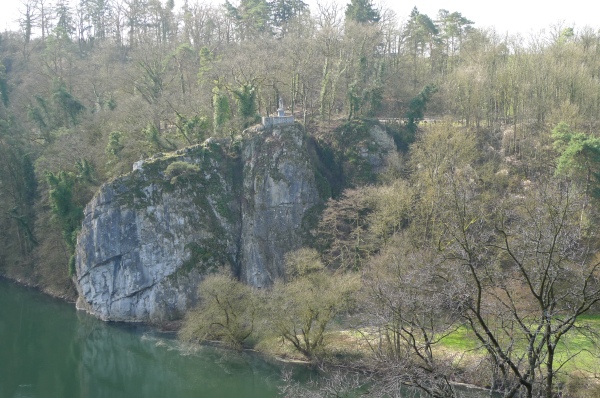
column 149, row 237
column 278, row 190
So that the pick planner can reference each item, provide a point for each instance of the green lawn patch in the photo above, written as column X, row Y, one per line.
column 577, row 351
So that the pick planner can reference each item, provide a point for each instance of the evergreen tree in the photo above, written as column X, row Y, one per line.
column 284, row 11
column 3, row 85
column 362, row 11
column 246, row 100
column 418, row 105
column 579, row 157
column 251, row 17
column 222, row 111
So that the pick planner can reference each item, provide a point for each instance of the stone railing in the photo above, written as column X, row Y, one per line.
column 270, row 121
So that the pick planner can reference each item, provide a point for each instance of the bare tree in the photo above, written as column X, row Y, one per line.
column 302, row 310
column 517, row 270
column 407, row 310
column 45, row 10
column 524, row 276
column 227, row 312
column 28, row 19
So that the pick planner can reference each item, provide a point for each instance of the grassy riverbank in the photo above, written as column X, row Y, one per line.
column 577, row 356
column 577, row 352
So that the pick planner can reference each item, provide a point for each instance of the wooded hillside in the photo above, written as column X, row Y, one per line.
column 499, row 173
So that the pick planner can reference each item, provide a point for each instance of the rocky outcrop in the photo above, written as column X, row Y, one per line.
column 364, row 150
column 150, row 236
column 353, row 155
column 278, row 190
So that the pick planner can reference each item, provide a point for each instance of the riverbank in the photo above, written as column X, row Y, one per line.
column 68, row 293
column 347, row 353
column 347, row 347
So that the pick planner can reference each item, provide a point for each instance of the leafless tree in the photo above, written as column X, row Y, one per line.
column 524, row 276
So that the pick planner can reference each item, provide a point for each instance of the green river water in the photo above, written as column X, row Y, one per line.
column 50, row 350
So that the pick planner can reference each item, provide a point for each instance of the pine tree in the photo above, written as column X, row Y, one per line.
column 362, row 11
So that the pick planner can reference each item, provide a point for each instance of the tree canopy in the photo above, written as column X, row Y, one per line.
column 362, row 11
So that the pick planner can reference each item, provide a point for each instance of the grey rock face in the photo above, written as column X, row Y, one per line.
column 386, row 148
column 150, row 236
column 278, row 189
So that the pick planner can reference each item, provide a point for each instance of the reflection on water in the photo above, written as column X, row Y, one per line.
column 47, row 349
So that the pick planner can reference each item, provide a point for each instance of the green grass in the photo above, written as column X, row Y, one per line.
column 582, row 342
column 460, row 340
column 578, row 350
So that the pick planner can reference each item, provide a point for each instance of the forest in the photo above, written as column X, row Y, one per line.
column 474, row 258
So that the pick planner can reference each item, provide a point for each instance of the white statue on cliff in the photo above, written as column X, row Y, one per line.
column 280, row 110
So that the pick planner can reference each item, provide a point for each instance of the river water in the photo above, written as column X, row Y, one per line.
column 48, row 349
